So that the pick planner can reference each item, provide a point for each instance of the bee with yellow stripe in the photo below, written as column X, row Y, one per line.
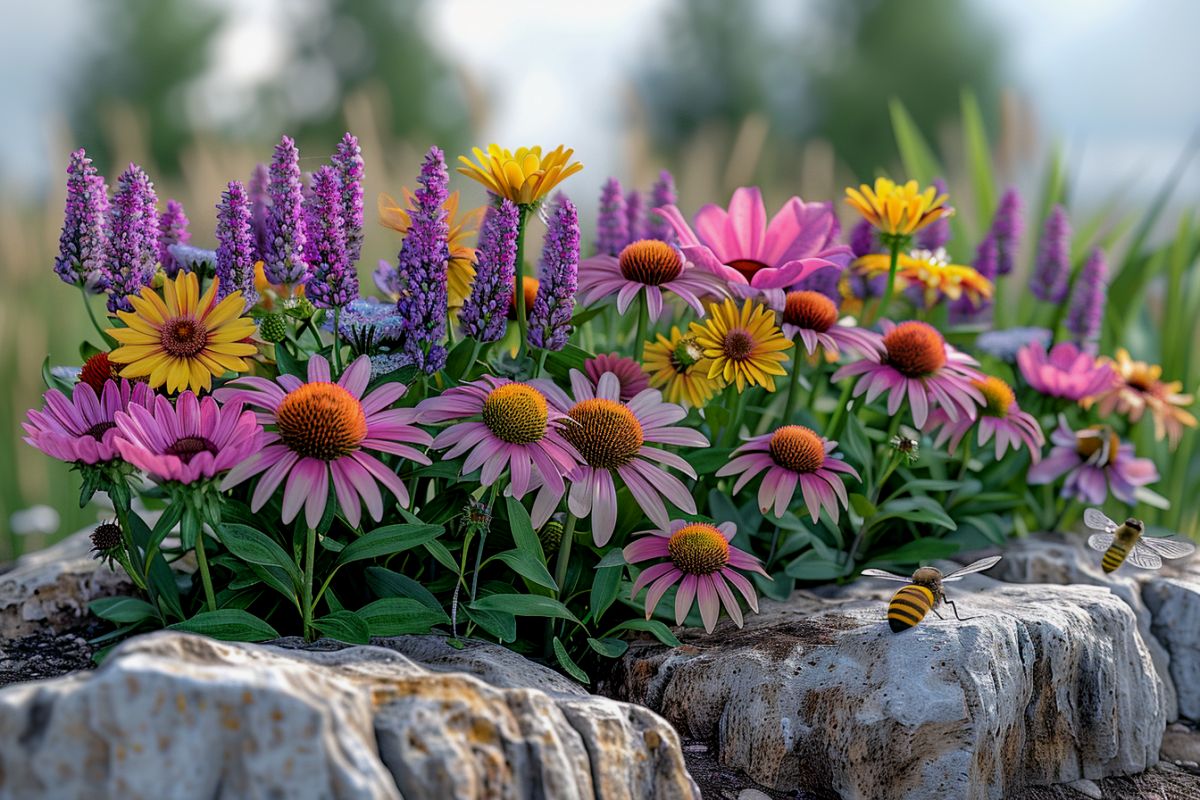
column 1126, row 542
column 924, row 593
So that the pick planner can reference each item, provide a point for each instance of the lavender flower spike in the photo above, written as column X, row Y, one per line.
column 612, row 228
column 131, row 254
column 862, row 239
column 334, row 282
column 1006, row 227
column 1052, row 272
column 81, row 245
column 550, row 319
column 235, row 245
column 260, row 208
column 937, row 233
column 485, row 311
column 172, row 229
column 662, row 193
column 348, row 161
column 635, row 217
column 423, row 260
column 986, row 263
column 1085, row 311
column 284, row 260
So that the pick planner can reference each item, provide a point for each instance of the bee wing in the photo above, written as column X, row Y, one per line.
column 887, row 576
column 1100, row 541
column 1094, row 518
column 1168, row 548
column 1144, row 557
column 978, row 566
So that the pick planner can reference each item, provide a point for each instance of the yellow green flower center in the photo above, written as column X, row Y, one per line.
column 1091, row 441
column 915, row 349
column 797, row 448
column 651, row 262
column 998, row 394
column 189, row 447
column 516, row 413
column 811, row 310
column 698, row 549
column 606, row 433
column 737, row 345
column 685, row 354
column 321, row 420
column 183, row 337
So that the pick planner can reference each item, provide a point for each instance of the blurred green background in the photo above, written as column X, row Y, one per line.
column 793, row 96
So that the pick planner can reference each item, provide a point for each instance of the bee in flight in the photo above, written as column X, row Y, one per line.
column 924, row 592
column 1121, row 543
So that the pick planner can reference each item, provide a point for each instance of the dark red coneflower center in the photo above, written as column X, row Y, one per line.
column 747, row 267
column 98, row 430
column 189, row 447
column 183, row 337
column 915, row 349
column 651, row 262
column 811, row 310
column 97, row 371
column 797, row 448
column 738, row 344
column 321, row 420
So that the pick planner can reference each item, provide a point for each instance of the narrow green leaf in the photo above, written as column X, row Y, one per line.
column 386, row 583
column 122, row 610
column 525, row 605
column 653, row 627
column 442, row 555
column 568, row 663
column 528, row 566
column 979, row 160
column 606, row 583
column 917, row 551
column 287, row 364
column 919, row 161
column 522, row 530
column 497, row 623
column 388, row 540
column 255, row 547
column 396, row 616
column 345, row 626
column 612, row 558
column 228, row 624
column 609, row 648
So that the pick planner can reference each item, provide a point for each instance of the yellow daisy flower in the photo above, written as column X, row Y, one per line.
column 524, row 177
column 460, row 271
column 898, row 210
column 679, row 367
column 182, row 339
column 746, row 346
column 931, row 270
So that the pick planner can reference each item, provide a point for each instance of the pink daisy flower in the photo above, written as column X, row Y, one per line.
column 612, row 438
column 751, row 254
column 629, row 372
column 189, row 441
column 322, row 431
column 1066, row 371
column 510, row 427
column 700, row 559
column 812, row 318
column 83, row 428
column 1095, row 462
column 792, row 456
column 649, row 267
column 1001, row 418
column 915, row 362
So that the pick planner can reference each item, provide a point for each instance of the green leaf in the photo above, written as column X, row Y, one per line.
column 160, row 577
column 917, row 551
column 813, row 566
column 277, row 579
column 497, row 623
column 386, row 583
column 287, row 364
column 862, row 506
column 919, row 161
column 568, row 664
column 609, row 648
column 51, row 381
column 345, row 626
column 979, row 159
column 228, row 624
column 458, row 361
column 916, row 509
column 87, row 350
column 525, row 605
column 931, row 485
column 122, row 610
column 606, row 583
column 527, row 566
column 396, row 616
column 442, row 555
column 388, row 540
column 856, row 445
column 522, row 530
column 653, row 627
column 614, row 557
column 559, row 363
column 255, row 547
column 710, row 460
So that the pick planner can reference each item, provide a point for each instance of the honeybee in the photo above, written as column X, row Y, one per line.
column 1126, row 542
column 924, row 592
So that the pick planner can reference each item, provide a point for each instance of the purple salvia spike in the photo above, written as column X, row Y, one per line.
column 172, row 229
column 1052, row 272
column 348, row 161
column 862, row 239
column 284, row 261
column 334, row 282
column 1007, row 227
column 235, row 245
column 422, row 264
column 81, row 245
column 485, row 312
column 635, row 217
column 260, row 208
column 132, row 249
column 1085, row 311
column 612, row 228
column 986, row 263
column 937, row 233
column 550, row 319
column 661, row 194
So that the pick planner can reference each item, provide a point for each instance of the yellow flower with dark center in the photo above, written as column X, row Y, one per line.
column 524, row 177
column 181, row 340
column 460, row 270
column 677, row 365
column 1138, row 387
column 745, row 346
column 932, row 271
column 898, row 210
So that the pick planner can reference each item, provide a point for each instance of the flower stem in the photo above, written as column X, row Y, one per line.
column 310, row 556
column 122, row 509
column 474, row 357
column 839, row 414
column 564, row 552
column 891, row 284
column 729, row 435
column 794, row 385
column 966, row 459
column 483, row 538
column 104, row 338
column 519, row 286
column 643, row 320
column 210, row 599
column 337, row 349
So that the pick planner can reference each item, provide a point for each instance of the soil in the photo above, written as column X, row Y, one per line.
column 47, row 654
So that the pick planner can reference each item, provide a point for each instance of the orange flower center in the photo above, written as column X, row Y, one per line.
column 321, row 420
column 651, row 262
column 811, row 310
column 738, row 344
column 516, row 413
column 97, row 371
column 189, row 447
column 1099, row 442
column 531, row 290
column 606, row 433
column 797, row 448
column 698, row 549
column 998, row 394
column 183, row 337
column 98, row 430
column 915, row 349
column 747, row 267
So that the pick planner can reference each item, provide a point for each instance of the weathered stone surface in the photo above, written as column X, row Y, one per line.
column 173, row 715
column 1045, row 685
column 1174, row 605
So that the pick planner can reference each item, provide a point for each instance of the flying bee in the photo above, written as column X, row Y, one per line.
column 924, row 592
column 1127, row 542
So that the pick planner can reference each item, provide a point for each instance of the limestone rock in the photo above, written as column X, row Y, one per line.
column 1174, row 603
column 1045, row 685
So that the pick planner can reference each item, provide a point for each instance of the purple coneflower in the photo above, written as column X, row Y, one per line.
column 1085, row 311
column 131, row 253
column 936, row 234
column 813, row 318
column 484, row 314
column 1052, row 272
column 1001, row 417
column 82, row 429
column 284, row 258
column 1006, row 228
column 1066, row 371
column 172, row 230
column 81, row 246
column 348, row 162
column 629, row 373
column 1095, row 462
column 649, row 267
column 635, row 213
column 550, row 314
column 423, row 262
column 235, row 245
column 662, row 194
column 333, row 282
column 701, row 560
column 612, row 226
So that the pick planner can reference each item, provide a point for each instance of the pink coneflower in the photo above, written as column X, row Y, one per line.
column 751, row 254
column 812, row 318
column 515, row 430
column 1001, row 417
column 917, row 363
column 323, row 430
column 703, row 563
column 612, row 437
column 792, row 455
column 83, row 428
column 1067, row 371
column 189, row 441
column 629, row 372
column 1095, row 462
column 649, row 267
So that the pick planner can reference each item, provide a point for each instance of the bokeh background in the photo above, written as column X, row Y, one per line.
column 791, row 95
